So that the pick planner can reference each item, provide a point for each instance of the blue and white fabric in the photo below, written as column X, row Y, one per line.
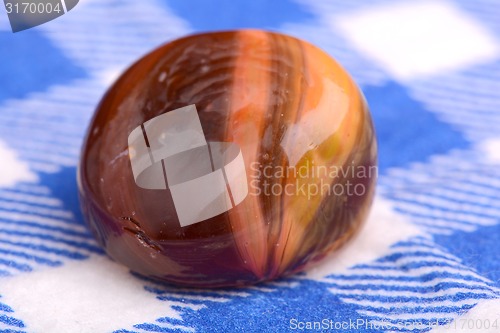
column 427, row 260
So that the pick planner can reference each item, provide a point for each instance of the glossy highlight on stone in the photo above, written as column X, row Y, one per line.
column 228, row 158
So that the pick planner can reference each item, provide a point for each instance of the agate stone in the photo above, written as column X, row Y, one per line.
column 228, row 158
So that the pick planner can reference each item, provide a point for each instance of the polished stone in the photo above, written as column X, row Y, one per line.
column 228, row 158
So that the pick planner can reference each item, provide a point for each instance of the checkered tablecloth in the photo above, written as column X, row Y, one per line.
column 428, row 259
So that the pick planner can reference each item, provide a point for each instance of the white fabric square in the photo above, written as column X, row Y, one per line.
column 419, row 38
column 95, row 295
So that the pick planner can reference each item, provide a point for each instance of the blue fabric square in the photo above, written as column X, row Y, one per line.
column 406, row 131
column 30, row 62
column 227, row 14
